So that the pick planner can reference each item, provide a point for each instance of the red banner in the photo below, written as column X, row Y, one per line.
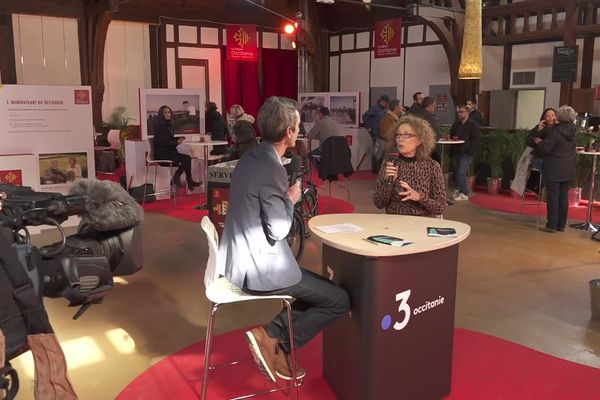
column 14, row 176
column 388, row 35
column 241, row 43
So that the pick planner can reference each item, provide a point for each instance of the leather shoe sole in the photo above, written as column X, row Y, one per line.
column 548, row 230
column 259, row 358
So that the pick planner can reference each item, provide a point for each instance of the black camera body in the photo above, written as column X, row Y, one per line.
column 79, row 268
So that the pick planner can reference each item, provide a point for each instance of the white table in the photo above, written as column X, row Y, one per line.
column 444, row 142
column 588, row 225
column 402, row 316
column 195, row 148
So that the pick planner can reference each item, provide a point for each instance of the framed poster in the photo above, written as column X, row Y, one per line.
column 344, row 107
column 187, row 106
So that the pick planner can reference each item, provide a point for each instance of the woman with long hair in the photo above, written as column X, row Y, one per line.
column 165, row 148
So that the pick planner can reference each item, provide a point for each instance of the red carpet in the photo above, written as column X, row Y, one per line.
column 507, row 203
column 185, row 207
column 484, row 367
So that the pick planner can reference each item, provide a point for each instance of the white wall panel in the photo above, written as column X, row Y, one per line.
column 214, row 68
column 126, row 67
column 348, row 42
column 415, row 34
column 72, row 64
column 29, row 50
column 354, row 76
column 492, row 68
column 538, row 57
column 425, row 65
column 334, row 43
column 270, row 40
column 188, row 34
column 286, row 42
column 46, row 50
column 334, row 64
column 596, row 65
column 387, row 72
column 430, row 34
column 209, row 35
column 171, row 79
column 170, row 33
column 362, row 40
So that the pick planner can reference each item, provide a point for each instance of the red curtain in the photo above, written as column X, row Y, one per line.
column 280, row 73
column 240, row 79
column 240, row 84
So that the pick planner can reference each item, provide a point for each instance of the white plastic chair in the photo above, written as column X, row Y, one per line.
column 220, row 291
column 151, row 162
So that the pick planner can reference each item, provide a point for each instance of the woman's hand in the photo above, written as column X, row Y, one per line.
column 541, row 125
column 409, row 193
column 390, row 170
column 537, row 140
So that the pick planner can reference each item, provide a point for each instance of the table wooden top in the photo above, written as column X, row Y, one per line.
column 409, row 228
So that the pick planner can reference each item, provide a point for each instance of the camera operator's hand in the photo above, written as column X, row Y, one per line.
column 293, row 192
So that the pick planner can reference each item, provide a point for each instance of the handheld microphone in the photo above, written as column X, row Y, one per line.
column 296, row 168
column 394, row 158
column 108, row 207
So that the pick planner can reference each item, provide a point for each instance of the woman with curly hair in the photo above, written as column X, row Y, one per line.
column 410, row 182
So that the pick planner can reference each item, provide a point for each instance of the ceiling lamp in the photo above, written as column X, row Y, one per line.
column 470, row 57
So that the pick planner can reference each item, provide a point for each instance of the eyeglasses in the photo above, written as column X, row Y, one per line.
column 405, row 136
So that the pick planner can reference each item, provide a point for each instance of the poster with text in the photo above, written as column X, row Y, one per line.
column 45, row 119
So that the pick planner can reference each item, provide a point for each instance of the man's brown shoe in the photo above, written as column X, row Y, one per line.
column 283, row 367
column 263, row 348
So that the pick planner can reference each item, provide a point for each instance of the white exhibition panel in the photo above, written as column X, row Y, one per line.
column 54, row 121
column 353, row 77
column 214, row 68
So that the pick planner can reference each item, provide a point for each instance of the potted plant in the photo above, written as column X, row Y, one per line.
column 118, row 120
column 491, row 153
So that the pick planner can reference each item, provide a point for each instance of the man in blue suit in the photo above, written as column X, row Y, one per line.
column 257, row 257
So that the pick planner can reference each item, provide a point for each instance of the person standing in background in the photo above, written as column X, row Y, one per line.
column 558, row 149
column 216, row 126
column 469, row 131
column 416, row 106
column 371, row 120
column 475, row 115
column 386, row 126
column 244, row 134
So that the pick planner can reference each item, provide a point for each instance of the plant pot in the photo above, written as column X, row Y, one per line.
column 493, row 184
column 574, row 196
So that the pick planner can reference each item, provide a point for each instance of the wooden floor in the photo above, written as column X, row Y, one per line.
column 514, row 282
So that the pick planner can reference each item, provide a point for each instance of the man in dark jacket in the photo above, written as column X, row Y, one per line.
column 216, row 126
column 371, row 120
column 475, row 115
column 469, row 131
column 558, row 150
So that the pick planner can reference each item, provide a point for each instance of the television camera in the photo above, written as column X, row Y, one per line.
column 79, row 267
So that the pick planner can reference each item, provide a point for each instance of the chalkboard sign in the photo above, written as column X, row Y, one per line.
column 564, row 66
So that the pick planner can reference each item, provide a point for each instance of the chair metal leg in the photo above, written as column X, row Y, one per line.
column 145, row 181
column 172, row 187
column 294, row 381
column 208, row 346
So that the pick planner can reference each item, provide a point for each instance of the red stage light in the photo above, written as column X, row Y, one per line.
column 289, row 29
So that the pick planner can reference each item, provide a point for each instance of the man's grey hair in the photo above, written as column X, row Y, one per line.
column 275, row 116
column 566, row 114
